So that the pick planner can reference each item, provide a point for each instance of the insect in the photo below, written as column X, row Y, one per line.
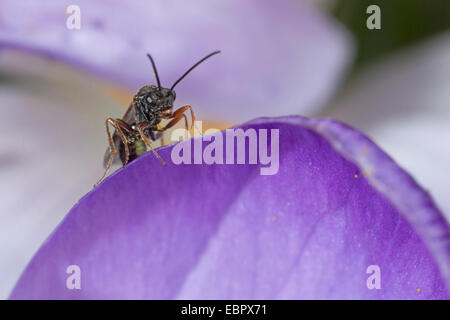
column 141, row 123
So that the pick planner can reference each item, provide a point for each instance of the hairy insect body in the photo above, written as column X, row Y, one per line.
column 136, row 149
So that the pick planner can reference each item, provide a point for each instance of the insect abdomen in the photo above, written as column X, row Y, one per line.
column 136, row 149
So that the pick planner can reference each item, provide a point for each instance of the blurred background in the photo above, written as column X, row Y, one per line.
column 58, row 84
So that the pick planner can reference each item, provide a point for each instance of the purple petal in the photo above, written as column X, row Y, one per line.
column 402, row 102
column 268, row 53
column 337, row 206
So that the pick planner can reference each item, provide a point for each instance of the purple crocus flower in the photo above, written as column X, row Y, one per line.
column 402, row 103
column 61, row 111
column 339, row 220
column 338, row 207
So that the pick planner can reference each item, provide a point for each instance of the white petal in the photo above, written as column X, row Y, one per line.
column 52, row 141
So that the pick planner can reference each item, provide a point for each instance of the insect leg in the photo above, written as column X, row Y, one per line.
column 119, row 124
column 112, row 147
column 182, row 110
column 158, row 135
column 175, row 120
column 108, row 165
column 140, row 126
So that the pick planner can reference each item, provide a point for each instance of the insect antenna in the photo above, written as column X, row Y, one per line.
column 193, row 67
column 154, row 70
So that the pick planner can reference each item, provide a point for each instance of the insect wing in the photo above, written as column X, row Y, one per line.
column 128, row 117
